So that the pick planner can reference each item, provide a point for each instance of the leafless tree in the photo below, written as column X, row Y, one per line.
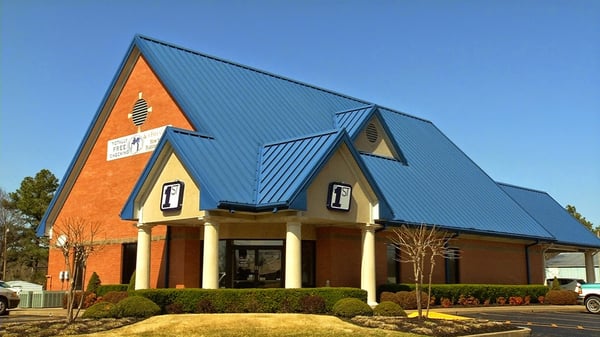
column 416, row 244
column 76, row 238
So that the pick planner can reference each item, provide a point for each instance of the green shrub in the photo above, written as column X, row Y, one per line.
column 484, row 293
column 136, row 306
column 388, row 308
column 312, row 304
column 99, row 310
column 555, row 284
column 106, row 288
column 350, row 307
column 93, row 283
column 561, row 297
column 250, row 300
column 131, row 286
column 115, row 296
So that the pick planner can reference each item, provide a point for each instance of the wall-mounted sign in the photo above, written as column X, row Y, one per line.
column 339, row 196
column 133, row 144
column 172, row 196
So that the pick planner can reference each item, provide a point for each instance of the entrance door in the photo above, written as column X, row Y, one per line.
column 257, row 267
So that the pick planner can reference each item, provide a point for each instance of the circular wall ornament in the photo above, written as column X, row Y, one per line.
column 139, row 113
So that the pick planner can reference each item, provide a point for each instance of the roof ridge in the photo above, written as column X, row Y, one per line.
column 521, row 187
column 257, row 70
column 303, row 137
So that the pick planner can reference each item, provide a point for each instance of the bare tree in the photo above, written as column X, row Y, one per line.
column 415, row 245
column 76, row 240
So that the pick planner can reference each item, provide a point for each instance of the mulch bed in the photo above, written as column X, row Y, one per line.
column 57, row 328
column 433, row 327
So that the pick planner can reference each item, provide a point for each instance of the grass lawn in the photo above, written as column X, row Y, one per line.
column 240, row 325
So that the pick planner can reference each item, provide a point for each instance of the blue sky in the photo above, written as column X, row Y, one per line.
column 515, row 84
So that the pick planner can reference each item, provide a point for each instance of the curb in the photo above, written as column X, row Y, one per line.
column 522, row 332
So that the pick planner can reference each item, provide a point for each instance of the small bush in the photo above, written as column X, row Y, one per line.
column 312, row 304
column 99, row 310
column 350, row 307
column 93, row 283
column 555, row 284
column 131, row 286
column 115, row 296
column 388, row 308
column 387, row 296
column 136, row 306
column 408, row 299
column 561, row 297
column 89, row 300
column 77, row 294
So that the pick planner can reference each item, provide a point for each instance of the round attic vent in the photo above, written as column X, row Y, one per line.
column 372, row 133
column 140, row 112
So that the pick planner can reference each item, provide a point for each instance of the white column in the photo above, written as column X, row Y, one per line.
column 142, row 261
column 367, row 272
column 293, row 255
column 210, row 259
column 590, row 273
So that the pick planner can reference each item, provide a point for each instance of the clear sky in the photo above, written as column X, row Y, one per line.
column 515, row 84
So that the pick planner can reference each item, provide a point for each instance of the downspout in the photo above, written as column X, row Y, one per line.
column 527, row 264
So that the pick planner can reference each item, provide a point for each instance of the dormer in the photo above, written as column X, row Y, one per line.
column 369, row 133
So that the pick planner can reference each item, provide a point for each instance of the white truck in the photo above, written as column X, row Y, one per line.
column 589, row 295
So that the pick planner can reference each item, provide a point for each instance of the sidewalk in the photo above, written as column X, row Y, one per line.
column 58, row 313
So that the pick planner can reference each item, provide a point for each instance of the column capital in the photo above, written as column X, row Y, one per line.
column 143, row 226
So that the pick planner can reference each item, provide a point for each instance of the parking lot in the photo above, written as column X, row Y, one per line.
column 568, row 323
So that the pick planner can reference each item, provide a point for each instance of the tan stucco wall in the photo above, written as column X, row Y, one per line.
column 341, row 168
column 172, row 170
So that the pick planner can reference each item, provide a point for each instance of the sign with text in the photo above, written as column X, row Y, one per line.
column 172, row 196
column 339, row 196
column 133, row 144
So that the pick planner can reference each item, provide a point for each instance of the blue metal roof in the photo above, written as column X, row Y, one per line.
column 276, row 134
column 442, row 186
column 550, row 214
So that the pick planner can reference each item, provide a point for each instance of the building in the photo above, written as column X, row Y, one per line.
column 570, row 266
column 207, row 173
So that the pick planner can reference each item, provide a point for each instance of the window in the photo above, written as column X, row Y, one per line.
column 452, row 265
column 129, row 254
column 393, row 265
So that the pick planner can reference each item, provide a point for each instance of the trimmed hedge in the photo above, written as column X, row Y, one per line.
column 103, row 289
column 135, row 306
column 483, row 293
column 350, row 307
column 272, row 300
column 389, row 309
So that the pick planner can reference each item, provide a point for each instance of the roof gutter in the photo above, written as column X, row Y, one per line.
column 233, row 206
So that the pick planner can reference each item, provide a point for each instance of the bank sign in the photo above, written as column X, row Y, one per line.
column 134, row 144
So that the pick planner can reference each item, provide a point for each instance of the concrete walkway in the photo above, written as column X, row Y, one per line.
column 457, row 310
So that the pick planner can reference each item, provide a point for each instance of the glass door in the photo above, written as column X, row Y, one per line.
column 257, row 267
